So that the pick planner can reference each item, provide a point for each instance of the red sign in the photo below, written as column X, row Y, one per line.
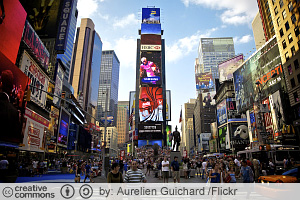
column 269, row 75
column 122, row 154
column 184, row 153
column 268, row 118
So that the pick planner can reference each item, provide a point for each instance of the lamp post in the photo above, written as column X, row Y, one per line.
column 262, row 123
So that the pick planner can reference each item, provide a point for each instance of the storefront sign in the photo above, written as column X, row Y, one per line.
column 34, row 137
column 38, row 79
column 150, row 47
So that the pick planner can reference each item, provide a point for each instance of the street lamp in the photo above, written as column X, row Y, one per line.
column 262, row 120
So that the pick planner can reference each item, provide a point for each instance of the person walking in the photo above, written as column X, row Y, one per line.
column 215, row 174
column 175, row 169
column 198, row 167
column 88, row 171
column 148, row 167
column 165, row 169
column 246, row 173
column 115, row 176
column 134, row 175
column 204, row 163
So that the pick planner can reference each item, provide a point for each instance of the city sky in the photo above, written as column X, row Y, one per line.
column 184, row 22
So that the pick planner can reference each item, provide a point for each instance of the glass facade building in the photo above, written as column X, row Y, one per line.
column 109, row 79
column 67, row 56
column 213, row 51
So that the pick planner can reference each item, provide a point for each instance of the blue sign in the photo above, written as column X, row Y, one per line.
column 63, row 28
column 151, row 29
column 63, row 127
column 151, row 15
column 221, row 113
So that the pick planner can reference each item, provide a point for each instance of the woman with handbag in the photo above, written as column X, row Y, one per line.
column 230, row 176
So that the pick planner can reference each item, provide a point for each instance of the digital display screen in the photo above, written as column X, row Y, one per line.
column 63, row 127
column 154, row 29
column 150, row 131
column 148, row 39
column 150, row 68
column 151, row 104
column 204, row 81
column 151, row 15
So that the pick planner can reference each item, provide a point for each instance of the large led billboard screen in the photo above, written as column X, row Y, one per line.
column 148, row 39
column 221, row 113
column 150, row 131
column 150, row 68
column 11, row 28
column 151, row 15
column 208, row 98
column 229, row 66
column 63, row 128
column 204, row 81
column 259, row 68
column 151, row 104
column 154, row 29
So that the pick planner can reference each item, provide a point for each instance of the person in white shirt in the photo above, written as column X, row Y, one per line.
column 204, row 163
column 165, row 169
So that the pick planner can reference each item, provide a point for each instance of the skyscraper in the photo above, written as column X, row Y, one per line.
column 109, row 80
column 258, row 31
column 122, row 123
column 86, row 63
column 70, row 35
column 212, row 51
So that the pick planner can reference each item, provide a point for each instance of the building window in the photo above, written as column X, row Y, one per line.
column 290, row 38
column 283, row 14
column 293, row 18
column 287, row 56
column 290, row 6
column 281, row 3
column 281, row 32
column 278, row 21
column 296, row 98
column 296, row 31
column 276, row 10
column 283, row 44
column 293, row 51
column 287, row 26
column 290, row 69
column 296, row 64
column 273, row 2
column 293, row 82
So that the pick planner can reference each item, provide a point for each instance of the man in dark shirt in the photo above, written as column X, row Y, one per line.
column 175, row 169
column 88, row 171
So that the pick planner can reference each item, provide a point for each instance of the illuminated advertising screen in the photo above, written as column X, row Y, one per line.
column 44, row 16
column 208, row 99
column 151, row 104
column 19, row 87
column 229, row 66
column 148, row 39
column 151, row 15
column 131, row 103
column 214, row 130
column 222, row 137
column 168, row 105
column 153, row 29
column 277, row 113
column 11, row 28
column 63, row 128
column 150, row 68
column 221, row 113
column 169, row 135
column 150, row 131
column 259, row 68
column 240, row 136
column 204, row 81
column 39, row 80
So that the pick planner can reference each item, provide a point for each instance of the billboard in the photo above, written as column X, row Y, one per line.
column 150, row 68
column 38, row 79
column 59, row 76
column 204, row 81
column 63, row 132
column 148, row 39
column 208, row 99
column 36, row 45
column 150, row 131
column 240, row 136
column 153, row 29
column 258, row 68
column 53, row 125
column 277, row 113
column 43, row 15
column 10, row 129
column 151, row 15
column 11, row 28
column 229, row 66
column 169, row 135
column 168, row 105
column 35, row 127
column 151, row 104
column 148, row 47
column 214, row 130
column 63, row 29
column 222, row 137
column 221, row 113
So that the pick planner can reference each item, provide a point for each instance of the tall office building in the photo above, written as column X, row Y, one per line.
column 266, row 17
column 109, row 82
column 258, row 31
column 122, row 123
column 70, row 35
column 86, row 63
column 212, row 51
column 188, row 112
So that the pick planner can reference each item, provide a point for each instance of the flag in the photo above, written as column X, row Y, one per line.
column 180, row 118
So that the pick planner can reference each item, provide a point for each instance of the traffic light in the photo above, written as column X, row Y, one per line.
column 265, row 147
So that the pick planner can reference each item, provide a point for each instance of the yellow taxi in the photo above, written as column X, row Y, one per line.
column 290, row 176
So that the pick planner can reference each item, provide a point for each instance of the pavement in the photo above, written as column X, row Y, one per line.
column 58, row 177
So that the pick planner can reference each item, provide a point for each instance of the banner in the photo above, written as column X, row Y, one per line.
column 221, row 113
column 229, row 66
column 59, row 77
column 35, row 127
column 168, row 105
column 38, row 79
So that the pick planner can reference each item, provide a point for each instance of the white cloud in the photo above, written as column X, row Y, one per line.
column 236, row 12
column 125, row 21
column 87, row 8
column 242, row 40
column 185, row 46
